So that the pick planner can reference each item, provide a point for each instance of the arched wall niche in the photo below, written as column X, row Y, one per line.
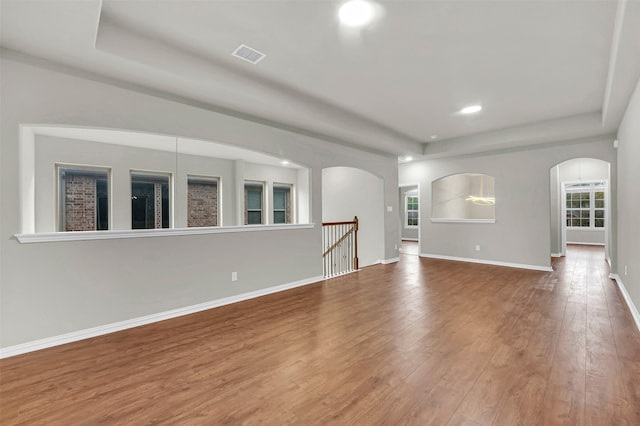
column 463, row 197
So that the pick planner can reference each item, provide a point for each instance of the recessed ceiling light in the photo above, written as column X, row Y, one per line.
column 405, row 159
column 284, row 162
column 471, row 109
column 433, row 137
column 356, row 13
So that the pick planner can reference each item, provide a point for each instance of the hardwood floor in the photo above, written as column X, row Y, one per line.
column 409, row 247
column 421, row 341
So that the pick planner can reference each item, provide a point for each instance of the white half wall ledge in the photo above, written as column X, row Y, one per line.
column 446, row 220
column 488, row 262
column 627, row 298
column 147, row 319
column 46, row 237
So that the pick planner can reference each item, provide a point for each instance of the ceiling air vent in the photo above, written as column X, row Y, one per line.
column 248, row 54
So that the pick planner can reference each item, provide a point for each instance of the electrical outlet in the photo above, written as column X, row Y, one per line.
column 234, row 276
column 477, row 247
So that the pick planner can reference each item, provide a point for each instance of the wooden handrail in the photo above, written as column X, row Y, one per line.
column 339, row 223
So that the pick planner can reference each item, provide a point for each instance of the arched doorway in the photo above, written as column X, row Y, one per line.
column 580, row 204
column 349, row 192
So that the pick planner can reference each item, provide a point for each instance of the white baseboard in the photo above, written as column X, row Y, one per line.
column 489, row 262
column 147, row 319
column 585, row 244
column 627, row 298
column 556, row 254
column 388, row 261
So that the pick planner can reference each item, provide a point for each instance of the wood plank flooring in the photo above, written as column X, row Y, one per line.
column 420, row 342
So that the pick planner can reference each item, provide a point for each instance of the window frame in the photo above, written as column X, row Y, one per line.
column 406, row 210
column 591, row 187
column 60, row 215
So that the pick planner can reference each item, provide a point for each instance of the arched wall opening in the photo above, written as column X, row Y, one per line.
column 349, row 192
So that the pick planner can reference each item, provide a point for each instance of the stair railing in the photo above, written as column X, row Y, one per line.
column 340, row 247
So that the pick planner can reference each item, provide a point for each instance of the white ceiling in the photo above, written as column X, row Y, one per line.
column 543, row 70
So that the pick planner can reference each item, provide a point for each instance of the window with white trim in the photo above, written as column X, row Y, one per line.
column 253, row 203
column 411, row 203
column 282, row 208
column 150, row 206
column 83, row 198
column 585, row 205
column 202, row 201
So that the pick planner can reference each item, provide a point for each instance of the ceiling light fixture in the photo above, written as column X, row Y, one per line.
column 284, row 162
column 356, row 13
column 481, row 200
column 471, row 109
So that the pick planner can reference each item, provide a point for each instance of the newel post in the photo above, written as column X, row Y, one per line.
column 355, row 230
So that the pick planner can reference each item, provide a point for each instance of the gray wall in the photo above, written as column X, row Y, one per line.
column 407, row 233
column 629, row 199
column 47, row 289
column 522, row 230
column 585, row 236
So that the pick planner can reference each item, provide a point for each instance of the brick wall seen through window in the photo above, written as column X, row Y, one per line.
column 202, row 201
column 84, row 199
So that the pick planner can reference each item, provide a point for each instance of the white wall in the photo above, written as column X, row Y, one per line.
column 521, row 234
column 629, row 199
column 48, row 289
column 349, row 192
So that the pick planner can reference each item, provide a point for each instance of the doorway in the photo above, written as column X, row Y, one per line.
column 410, row 217
column 580, row 207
